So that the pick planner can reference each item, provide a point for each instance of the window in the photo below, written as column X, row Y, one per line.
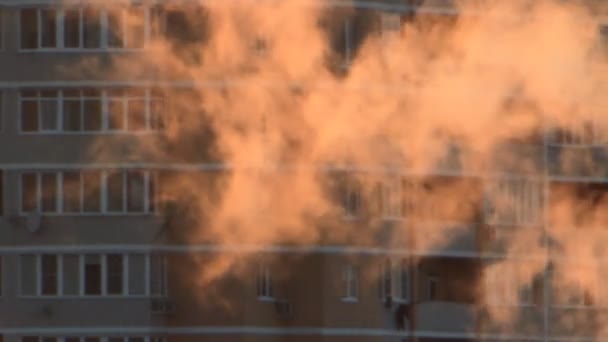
column 390, row 25
column 348, row 42
column 391, row 198
column 115, row 274
column 504, row 285
column 83, row 28
column 264, row 283
column 92, row 275
column 29, row 192
column 79, row 192
column 393, row 280
column 402, row 270
column 431, row 288
column 49, row 278
column 352, row 200
column 350, row 279
column 158, row 276
column 385, row 280
column 86, row 110
column 1, row 192
column 514, row 202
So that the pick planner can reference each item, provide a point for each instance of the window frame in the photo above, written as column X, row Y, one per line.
column 150, row 99
column 60, row 25
column 81, row 292
column 525, row 196
column 350, row 282
column 149, row 195
column 265, row 284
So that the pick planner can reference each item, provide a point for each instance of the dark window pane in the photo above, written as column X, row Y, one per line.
column 49, row 192
column 115, row 29
column 29, row 192
column 49, row 275
column 91, row 183
column 48, row 26
column 72, row 339
column 156, row 111
column 48, row 114
column 71, row 29
column 1, row 209
column 72, row 115
column 29, row 116
column 152, row 198
column 135, row 28
column 29, row 28
column 136, row 339
column 116, row 112
column 92, row 114
column 136, row 109
column 135, row 191
column 92, row 28
column 71, row 192
column 116, row 191
column 92, row 339
column 115, row 275
column 92, row 275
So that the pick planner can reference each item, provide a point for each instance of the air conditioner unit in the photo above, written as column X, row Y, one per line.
column 284, row 308
column 162, row 306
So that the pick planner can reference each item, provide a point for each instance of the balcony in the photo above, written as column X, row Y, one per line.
column 445, row 317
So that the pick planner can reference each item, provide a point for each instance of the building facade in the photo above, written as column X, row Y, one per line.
column 92, row 253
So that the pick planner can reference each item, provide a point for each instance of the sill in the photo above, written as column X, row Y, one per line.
column 351, row 218
column 266, row 299
column 350, row 299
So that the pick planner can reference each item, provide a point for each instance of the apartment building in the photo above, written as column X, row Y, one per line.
column 92, row 253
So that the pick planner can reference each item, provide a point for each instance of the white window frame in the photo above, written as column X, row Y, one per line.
column 514, row 201
column 398, row 271
column 147, row 272
column 392, row 202
column 104, row 99
column 350, row 281
column 264, row 283
column 150, row 179
column 104, row 28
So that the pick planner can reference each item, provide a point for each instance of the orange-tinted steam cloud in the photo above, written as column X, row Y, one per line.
column 276, row 105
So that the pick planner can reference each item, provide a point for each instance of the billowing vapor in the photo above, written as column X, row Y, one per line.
column 287, row 118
